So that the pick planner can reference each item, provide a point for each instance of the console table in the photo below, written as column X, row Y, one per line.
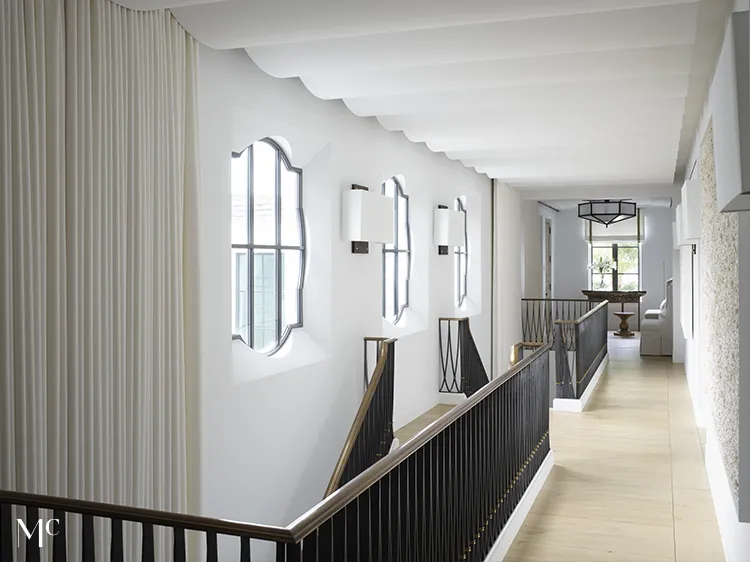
column 618, row 296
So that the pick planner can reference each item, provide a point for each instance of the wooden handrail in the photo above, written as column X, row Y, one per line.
column 150, row 516
column 305, row 524
column 326, row 509
column 451, row 319
column 359, row 419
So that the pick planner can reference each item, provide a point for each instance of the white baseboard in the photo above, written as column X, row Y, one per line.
column 735, row 536
column 507, row 536
column 578, row 404
column 451, row 398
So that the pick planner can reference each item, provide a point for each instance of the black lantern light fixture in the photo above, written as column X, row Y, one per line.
column 606, row 212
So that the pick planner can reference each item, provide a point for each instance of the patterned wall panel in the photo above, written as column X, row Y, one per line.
column 720, row 312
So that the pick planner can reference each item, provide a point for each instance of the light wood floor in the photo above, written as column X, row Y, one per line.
column 417, row 425
column 629, row 483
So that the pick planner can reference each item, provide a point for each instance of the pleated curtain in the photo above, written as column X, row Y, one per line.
column 98, row 192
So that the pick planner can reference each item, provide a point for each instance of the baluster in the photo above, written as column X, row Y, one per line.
column 32, row 544
column 147, row 543
column 6, row 531
column 212, row 547
column 294, row 552
column 59, row 542
column 115, row 545
column 310, row 547
column 180, row 553
column 88, row 551
column 339, row 536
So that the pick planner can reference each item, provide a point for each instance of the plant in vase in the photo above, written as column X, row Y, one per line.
column 603, row 265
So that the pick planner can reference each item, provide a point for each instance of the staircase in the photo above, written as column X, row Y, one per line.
column 446, row 494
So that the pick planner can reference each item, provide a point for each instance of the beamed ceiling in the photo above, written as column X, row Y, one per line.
column 545, row 95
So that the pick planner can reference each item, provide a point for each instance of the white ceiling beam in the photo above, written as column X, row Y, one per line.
column 565, row 68
column 626, row 29
column 600, row 190
column 526, row 98
column 529, row 124
column 231, row 24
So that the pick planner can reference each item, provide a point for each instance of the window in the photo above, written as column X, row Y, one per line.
column 461, row 257
column 397, row 256
column 615, row 267
column 268, row 246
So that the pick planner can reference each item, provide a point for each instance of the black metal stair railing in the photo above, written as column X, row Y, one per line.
column 461, row 367
column 538, row 316
column 564, row 348
column 446, row 494
column 580, row 346
column 371, row 434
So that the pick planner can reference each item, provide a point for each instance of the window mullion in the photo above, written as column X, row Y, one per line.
column 615, row 271
column 396, row 247
column 277, row 196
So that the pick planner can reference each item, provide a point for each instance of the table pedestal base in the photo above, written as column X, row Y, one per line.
column 624, row 331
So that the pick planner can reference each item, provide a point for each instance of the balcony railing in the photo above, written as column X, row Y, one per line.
column 538, row 316
column 371, row 433
column 461, row 368
column 446, row 494
column 580, row 346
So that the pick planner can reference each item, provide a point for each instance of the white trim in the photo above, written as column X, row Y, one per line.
column 735, row 536
column 507, row 536
column 578, row 404
column 451, row 398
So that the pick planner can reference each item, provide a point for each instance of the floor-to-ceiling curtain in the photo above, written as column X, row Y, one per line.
column 98, row 182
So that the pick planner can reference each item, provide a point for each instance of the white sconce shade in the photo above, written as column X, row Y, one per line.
column 679, row 231
column 691, row 211
column 367, row 217
column 449, row 228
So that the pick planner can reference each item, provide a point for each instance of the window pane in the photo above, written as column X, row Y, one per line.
column 290, row 224
column 627, row 282
column 264, row 193
column 389, row 190
column 601, row 268
column 240, row 292
column 627, row 259
column 239, row 199
column 403, row 277
column 389, row 283
column 459, row 275
column 291, row 261
column 603, row 253
column 264, row 303
column 602, row 282
column 403, row 217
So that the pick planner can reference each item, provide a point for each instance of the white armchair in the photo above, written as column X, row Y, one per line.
column 656, row 328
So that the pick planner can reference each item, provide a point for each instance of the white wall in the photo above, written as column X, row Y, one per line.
column 533, row 248
column 571, row 258
column 271, row 429
column 735, row 533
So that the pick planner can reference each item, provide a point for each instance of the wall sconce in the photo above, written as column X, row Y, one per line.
column 449, row 229
column 366, row 217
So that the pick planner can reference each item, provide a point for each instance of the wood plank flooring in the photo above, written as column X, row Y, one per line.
column 629, row 482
